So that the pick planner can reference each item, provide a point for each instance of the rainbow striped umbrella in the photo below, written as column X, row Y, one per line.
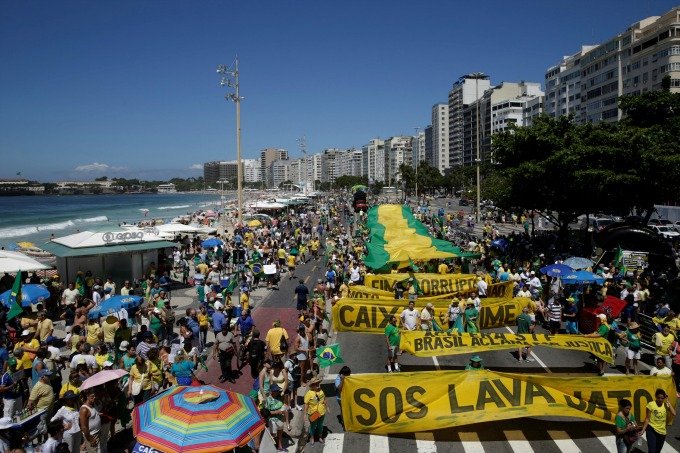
column 196, row 419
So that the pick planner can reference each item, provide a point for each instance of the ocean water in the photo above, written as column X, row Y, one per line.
column 35, row 218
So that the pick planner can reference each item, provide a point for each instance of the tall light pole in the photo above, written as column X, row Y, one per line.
column 302, row 141
column 230, row 78
column 478, row 160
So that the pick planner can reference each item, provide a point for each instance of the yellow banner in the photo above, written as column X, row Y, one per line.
column 429, row 400
column 432, row 344
column 495, row 290
column 372, row 316
column 430, row 284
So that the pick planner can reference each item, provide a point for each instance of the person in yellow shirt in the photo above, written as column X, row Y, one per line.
column 315, row 408
column 140, row 381
column 109, row 327
column 273, row 339
column 245, row 301
column 663, row 341
column 44, row 328
column 73, row 384
column 94, row 332
column 443, row 269
column 656, row 420
column 29, row 346
column 291, row 266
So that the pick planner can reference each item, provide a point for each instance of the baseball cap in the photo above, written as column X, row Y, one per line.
column 42, row 373
column 25, row 332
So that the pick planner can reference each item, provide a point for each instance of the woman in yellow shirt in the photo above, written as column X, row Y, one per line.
column 203, row 324
column 655, row 422
column 94, row 332
column 140, row 381
column 315, row 408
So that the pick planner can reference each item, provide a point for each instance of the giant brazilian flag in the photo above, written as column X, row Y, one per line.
column 396, row 237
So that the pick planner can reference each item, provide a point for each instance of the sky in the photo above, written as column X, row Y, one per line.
column 130, row 89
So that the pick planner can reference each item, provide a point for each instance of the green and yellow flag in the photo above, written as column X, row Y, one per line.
column 15, row 298
column 396, row 236
column 329, row 355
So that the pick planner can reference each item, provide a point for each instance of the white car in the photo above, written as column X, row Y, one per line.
column 666, row 231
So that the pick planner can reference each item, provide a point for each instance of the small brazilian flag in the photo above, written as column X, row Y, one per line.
column 14, row 302
column 329, row 355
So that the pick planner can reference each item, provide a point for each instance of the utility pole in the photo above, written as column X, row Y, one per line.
column 478, row 160
column 230, row 78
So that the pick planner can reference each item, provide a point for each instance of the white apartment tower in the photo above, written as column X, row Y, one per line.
column 440, row 137
column 398, row 150
column 373, row 166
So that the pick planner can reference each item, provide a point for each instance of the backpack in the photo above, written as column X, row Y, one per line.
column 612, row 337
column 295, row 371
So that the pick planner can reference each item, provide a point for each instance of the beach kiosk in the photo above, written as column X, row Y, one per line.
column 124, row 254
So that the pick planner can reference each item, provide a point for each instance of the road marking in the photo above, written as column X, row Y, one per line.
column 436, row 363
column 470, row 442
column 533, row 354
column 425, row 443
column 333, row 443
column 518, row 442
column 564, row 442
column 607, row 439
column 668, row 449
column 378, row 444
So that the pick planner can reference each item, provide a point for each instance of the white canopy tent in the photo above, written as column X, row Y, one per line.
column 11, row 262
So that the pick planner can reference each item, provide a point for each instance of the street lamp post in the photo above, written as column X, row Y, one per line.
column 230, row 78
column 417, row 154
column 303, row 147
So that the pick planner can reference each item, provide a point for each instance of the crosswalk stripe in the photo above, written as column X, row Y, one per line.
column 379, row 444
column 667, row 448
column 334, row 443
column 564, row 442
column 607, row 439
column 518, row 442
column 470, row 442
column 425, row 443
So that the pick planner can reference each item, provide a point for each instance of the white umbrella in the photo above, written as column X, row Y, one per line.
column 16, row 261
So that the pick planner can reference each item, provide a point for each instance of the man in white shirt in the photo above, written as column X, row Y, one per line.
column 523, row 291
column 126, row 290
column 86, row 357
column 535, row 283
column 410, row 317
column 481, row 287
column 68, row 297
column 110, row 284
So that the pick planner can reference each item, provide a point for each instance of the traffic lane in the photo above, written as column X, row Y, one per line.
column 283, row 296
column 361, row 352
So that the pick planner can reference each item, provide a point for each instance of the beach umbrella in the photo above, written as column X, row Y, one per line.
column 112, row 305
column 581, row 277
column 577, row 262
column 556, row 270
column 254, row 223
column 212, row 242
column 11, row 262
column 102, row 377
column 200, row 419
column 30, row 294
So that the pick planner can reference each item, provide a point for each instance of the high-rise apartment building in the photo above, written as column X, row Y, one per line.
column 589, row 83
column 220, row 171
column 251, row 170
column 430, row 156
column 465, row 91
column 279, row 170
column 440, row 137
column 373, row 166
column 398, row 150
column 418, row 147
column 267, row 157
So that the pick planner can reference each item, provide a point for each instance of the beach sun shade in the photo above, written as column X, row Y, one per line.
column 577, row 262
column 212, row 242
column 556, row 270
column 101, row 378
column 17, row 261
column 114, row 304
column 201, row 419
column 30, row 294
column 396, row 237
column 581, row 277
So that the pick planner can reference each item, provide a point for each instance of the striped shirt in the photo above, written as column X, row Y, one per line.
column 555, row 311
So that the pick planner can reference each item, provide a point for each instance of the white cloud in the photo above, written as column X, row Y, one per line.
column 97, row 167
column 196, row 167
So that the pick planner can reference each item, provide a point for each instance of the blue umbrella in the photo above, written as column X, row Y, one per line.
column 579, row 277
column 500, row 244
column 576, row 262
column 30, row 294
column 556, row 270
column 113, row 304
column 212, row 242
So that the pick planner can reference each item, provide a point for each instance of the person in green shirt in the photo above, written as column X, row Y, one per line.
column 471, row 315
column 655, row 421
column 524, row 327
column 632, row 336
column 475, row 363
column 392, row 338
column 603, row 332
column 627, row 428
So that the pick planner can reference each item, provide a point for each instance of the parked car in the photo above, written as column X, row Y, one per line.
column 666, row 231
column 599, row 223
